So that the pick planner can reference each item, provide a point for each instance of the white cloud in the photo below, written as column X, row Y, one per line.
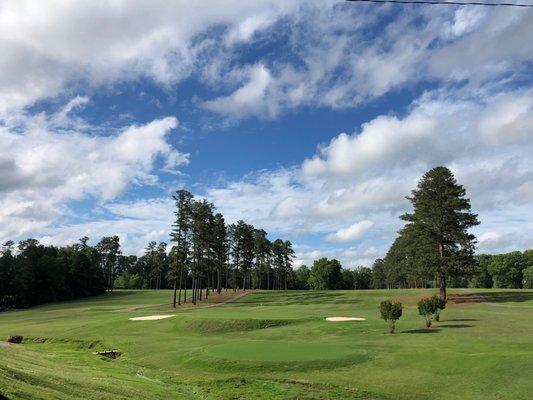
column 49, row 160
column 351, row 233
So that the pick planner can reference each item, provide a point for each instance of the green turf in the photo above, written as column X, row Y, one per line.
column 271, row 346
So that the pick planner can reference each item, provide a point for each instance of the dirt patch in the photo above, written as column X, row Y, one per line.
column 4, row 344
column 466, row 298
column 344, row 319
column 151, row 318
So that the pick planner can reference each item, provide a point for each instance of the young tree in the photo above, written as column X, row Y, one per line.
column 427, row 308
column 438, row 306
column 442, row 214
column 390, row 312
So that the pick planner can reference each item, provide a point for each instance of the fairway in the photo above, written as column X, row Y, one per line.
column 269, row 345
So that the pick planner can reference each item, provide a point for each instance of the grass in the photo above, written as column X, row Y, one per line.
column 273, row 345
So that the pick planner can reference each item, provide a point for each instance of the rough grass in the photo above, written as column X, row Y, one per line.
column 222, row 325
column 273, row 345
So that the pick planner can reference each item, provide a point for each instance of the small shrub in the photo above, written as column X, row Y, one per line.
column 426, row 308
column 438, row 305
column 390, row 312
column 14, row 339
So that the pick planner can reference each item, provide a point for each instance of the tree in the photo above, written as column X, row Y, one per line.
column 201, row 223
column 220, row 246
column 243, row 250
column 262, row 251
column 348, row 279
column 390, row 312
column 528, row 277
column 506, row 270
column 108, row 250
column 362, row 278
column 325, row 274
column 427, row 308
column 438, row 306
column 181, row 236
column 443, row 215
column 301, row 278
column 378, row 274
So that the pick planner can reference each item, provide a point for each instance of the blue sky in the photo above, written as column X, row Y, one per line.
column 312, row 120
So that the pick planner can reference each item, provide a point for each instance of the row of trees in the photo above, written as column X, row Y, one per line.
column 32, row 273
column 214, row 255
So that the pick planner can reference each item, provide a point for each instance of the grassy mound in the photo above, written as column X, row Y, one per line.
column 222, row 325
column 277, row 351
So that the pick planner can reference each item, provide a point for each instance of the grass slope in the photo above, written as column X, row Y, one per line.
column 271, row 345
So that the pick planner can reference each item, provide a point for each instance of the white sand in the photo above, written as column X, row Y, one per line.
column 151, row 318
column 341, row 319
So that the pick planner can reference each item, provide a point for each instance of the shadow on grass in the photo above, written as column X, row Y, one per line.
column 300, row 298
column 515, row 296
column 460, row 320
column 456, row 326
column 423, row 330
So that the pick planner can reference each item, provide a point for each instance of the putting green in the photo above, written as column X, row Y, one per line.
column 276, row 351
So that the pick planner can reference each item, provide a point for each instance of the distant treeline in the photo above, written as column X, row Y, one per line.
column 510, row 270
column 32, row 273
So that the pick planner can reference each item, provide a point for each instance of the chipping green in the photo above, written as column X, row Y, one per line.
column 272, row 345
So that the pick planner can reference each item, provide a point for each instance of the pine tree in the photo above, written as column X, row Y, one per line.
column 442, row 214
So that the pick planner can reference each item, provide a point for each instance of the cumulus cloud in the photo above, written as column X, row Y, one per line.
column 366, row 175
column 351, row 233
column 44, row 167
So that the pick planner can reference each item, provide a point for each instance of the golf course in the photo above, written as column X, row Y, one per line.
column 266, row 345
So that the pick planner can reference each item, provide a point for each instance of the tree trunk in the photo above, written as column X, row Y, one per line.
column 442, row 274
column 175, row 290
column 219, row 281
column 181, row 282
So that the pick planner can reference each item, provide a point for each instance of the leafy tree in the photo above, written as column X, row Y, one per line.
column 348, row 279
column 442, row 214
column 362, row 278
column 438, row 305
column 301, row 278
column 427, row 308
column 378, row 274
column 325, row 274
column 506, row 269
column 108, row 250
column 390, row 312
column 482, row 278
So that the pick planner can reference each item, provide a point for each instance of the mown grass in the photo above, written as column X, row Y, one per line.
column 269, row 346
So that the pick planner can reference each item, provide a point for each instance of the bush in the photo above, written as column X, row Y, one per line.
column 14, row 339
column 438, row 305
column 390, row 312
column 426, row 308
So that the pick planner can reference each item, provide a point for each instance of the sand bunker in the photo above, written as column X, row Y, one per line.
column 151, row 318
column 341, row 319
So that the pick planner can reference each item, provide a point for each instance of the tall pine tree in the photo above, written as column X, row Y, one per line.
column 442, row 214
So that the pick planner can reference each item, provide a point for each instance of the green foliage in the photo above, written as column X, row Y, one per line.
column 40, row 274
column 506, row 269
column 528, row 277
column 438, row 305
column 325, row 274
column 439, row 226
column 301, row 278
column 427, row 308
column 390, row 312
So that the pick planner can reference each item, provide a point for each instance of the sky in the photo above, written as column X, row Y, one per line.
column 310, row 119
